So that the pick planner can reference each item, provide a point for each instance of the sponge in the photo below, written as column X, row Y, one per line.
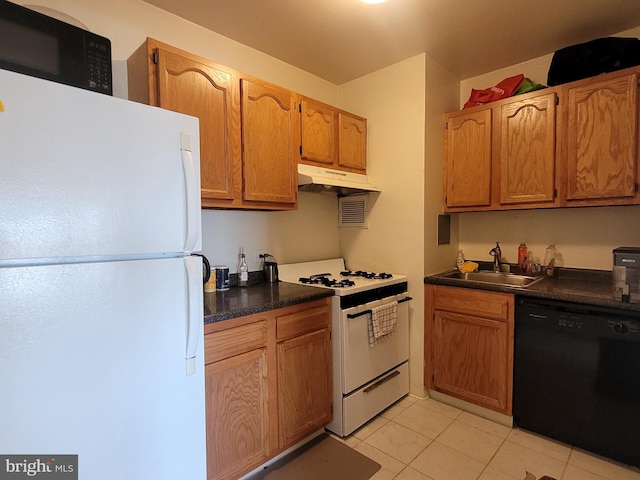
column 467, row 267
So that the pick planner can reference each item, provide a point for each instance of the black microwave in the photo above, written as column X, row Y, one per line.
column 41, row 46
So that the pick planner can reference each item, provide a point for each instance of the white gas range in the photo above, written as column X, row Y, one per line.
column 369, row 374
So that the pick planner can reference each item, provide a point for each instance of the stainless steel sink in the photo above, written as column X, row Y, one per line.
column 496, row 278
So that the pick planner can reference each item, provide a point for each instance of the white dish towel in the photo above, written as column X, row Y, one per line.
column 382, row 322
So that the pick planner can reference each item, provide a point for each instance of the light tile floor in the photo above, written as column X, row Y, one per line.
column 423, row 439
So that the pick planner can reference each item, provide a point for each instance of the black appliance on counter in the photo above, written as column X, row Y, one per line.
column 577, row 375
column 41, row 46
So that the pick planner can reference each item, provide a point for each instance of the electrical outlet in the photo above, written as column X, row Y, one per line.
column 256, row 255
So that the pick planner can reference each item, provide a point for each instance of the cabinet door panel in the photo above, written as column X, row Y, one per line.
column 468, row 159
column 196, row 89
column 319, row 131
column 352, row 142
column 602, row 139
column 304, row 385
column 527, row 150
column 270, row 143
column 471, row 359
column 237, row 415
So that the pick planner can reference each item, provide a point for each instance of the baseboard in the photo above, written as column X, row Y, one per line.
column 500, row 418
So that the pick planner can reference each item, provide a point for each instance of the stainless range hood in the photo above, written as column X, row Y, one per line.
column 320, row 179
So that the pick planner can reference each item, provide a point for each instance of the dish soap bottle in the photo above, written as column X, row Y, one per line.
column 243, row 271
column 522, row 258
column 460, row 259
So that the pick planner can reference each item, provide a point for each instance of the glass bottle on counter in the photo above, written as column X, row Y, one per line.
column 550, row 260
column 243, row 271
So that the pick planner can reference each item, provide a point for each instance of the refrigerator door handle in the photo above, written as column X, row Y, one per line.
column 193, row 192
column 194, row 317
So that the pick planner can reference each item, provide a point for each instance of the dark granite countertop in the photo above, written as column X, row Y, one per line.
column 261, row 297
column 591, row 287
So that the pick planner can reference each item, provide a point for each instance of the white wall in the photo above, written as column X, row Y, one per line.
column 584, row 237
column 442, row 96
column 307, row 234
column 393, row 101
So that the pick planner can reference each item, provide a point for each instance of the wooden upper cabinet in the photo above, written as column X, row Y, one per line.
column 193, row 88
column 270, row 147
column 352, row 142
column 528, row 150
column 167, row 77
column 332, row 137
column 319, row 133
column 601, row 140
column 265, row 123
column 571, row 145
column 467, row 172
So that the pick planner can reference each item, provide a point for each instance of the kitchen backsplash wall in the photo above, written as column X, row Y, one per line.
column 584, row 237
column 310, row 233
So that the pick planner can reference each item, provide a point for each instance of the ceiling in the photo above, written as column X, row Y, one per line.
column 340, row 40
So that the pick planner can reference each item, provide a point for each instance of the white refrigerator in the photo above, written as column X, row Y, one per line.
column 101, row 312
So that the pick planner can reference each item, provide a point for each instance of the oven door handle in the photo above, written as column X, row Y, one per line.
column 366, row 312
column 381, row 381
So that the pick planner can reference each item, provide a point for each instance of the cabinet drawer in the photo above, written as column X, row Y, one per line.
column 234, row 341
column 299, row 322
column 475, row 302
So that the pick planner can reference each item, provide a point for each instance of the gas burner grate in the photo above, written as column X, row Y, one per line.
column 368, row 275
column 321, row 279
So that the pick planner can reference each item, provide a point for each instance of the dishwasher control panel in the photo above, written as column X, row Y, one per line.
column 579, row 318
column 624, row 327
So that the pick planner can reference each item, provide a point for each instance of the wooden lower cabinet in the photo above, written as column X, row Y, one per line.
column 237, row 408
column 469, row 345
column 304, row 385
column 267, row 384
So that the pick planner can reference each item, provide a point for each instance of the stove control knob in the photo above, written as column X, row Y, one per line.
column 620, row 327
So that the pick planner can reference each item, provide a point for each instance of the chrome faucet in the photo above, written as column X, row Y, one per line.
column 497, row 257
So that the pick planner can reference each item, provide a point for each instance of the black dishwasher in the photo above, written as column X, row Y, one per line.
column 577, row 375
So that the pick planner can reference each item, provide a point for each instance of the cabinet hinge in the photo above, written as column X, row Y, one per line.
column 300, row 150
column 300, row 107
column 555, row 193
column 557, row 100
column 635, row 186
column 154, row 57
column 446, row 125
column 332, row 408
column 433, row 378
